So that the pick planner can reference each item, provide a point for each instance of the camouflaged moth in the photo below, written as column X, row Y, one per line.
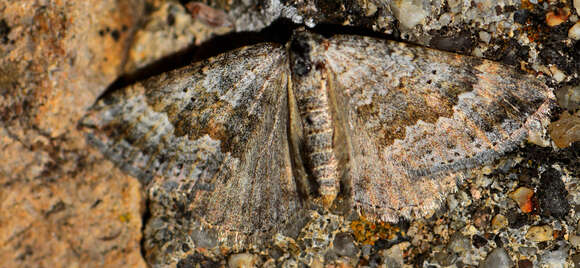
column 235, row 145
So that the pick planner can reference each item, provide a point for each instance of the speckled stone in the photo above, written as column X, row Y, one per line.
column 556, row 257
column 458, row 243
column 498, row 258
column 344, row 245
column 499, row 221
column 552, row 194
column 393, row 257
column 540, row 233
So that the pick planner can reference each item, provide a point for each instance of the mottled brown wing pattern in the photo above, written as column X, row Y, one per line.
column 231, row 149
column 416, row 119
column 209, row 141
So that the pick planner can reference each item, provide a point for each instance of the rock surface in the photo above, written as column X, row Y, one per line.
column 61, row 204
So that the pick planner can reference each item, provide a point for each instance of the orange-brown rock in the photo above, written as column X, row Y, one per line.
column 62, row 204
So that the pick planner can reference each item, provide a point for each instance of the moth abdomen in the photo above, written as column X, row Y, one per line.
column 318, row 130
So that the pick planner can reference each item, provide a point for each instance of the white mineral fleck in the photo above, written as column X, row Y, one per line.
column 558, row 75
column 409, row 12
column 477, row 52
column 371, row 9
column 484, row 36
column 574, row 32
column 445, row 19
column 310, row 22
column 242, row 260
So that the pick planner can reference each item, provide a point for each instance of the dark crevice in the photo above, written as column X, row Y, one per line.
column 278, row 32
column 145, row 217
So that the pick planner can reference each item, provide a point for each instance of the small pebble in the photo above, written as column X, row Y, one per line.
column 558, row 17
column 569, row 97
column 576, row 260
column 344, row 245
column 528, row 251
column 574, row 241
column 498, row 222
column 203, row 238
column 469, row 230
column 445, row 19
column 458, row 243
column 523, row 197
column 574, row 32
column 525, row 264
column 317, row 263
column 442, row 231
column 371, row 9
column 475, row 193
column 481, row 218
column 477, row 52
column 484, row 36
column 366, row 250
column 536, row 137
column 555, row 258
column 452, row 203
column 408, row 12
column 242, row 260
column 552, row 194
column 540, row 233
column 393, row 257
column 558, row 75
column 566, row 130
column 498, row 258
column 479, row 241
column 444, row 258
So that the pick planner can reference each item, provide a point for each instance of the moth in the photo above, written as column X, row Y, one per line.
column 233, row 147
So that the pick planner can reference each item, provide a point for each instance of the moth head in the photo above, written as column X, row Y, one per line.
column 303, row 49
